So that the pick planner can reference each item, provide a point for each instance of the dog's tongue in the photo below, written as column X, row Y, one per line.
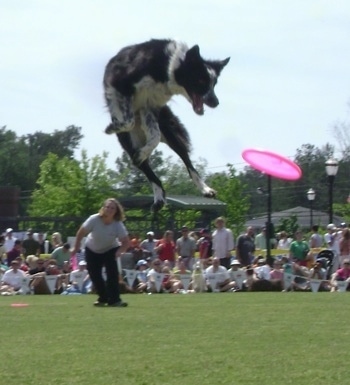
column 197, row 104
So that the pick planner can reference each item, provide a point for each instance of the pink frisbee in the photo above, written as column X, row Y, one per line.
column 272, row 164
column 19, row 305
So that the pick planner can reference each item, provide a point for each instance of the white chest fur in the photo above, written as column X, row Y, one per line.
column 151, row 94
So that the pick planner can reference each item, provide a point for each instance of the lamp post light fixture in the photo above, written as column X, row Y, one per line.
column 311, row 195
column 331, row 170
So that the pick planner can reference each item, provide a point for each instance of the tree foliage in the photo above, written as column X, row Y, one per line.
column 230, row 190
column 67, row 187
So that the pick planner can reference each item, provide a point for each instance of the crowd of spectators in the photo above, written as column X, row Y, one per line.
column 188, row 262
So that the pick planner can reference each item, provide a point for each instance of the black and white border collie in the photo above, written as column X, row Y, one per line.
column 139, row 82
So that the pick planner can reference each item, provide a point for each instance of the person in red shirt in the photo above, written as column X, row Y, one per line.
column 165, row 248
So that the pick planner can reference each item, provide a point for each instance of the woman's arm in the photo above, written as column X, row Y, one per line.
column 124, row 245
column 81, row 233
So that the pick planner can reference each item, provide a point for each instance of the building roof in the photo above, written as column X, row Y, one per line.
column 179, row 201
column 303, row 215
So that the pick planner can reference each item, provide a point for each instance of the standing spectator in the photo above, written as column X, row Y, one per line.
column 2, row 249
column 284, row 241
column 30, row 246
column 148, row 245
column 107, row 239
column 61, row 254
column 223, row 242
column 332, row 238
column 56, row 240
column 42, row 242
column 316, row 239
column 14, row 252
column 245, row 247
column 186, row 247
column 299, row 250
column 205, row 245
column 165, row 248
column 9, row 239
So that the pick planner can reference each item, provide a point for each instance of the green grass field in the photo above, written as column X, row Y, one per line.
column 213, row 338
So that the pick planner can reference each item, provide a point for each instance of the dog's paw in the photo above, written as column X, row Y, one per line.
column 209, row 193
column 110, row 129
column 157, row 205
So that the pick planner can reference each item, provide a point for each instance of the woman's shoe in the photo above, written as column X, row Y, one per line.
column 99, row 304
column 118, row 304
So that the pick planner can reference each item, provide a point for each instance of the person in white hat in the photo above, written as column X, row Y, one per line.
column 9, row 240
column 148, row 245
column 332, row 238
column 80, row 279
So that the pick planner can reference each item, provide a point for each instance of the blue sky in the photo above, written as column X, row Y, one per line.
column 288, row 81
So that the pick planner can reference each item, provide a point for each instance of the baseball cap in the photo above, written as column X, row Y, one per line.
column 331, row 226
column 82, row 263
column 235, row 262
column 151, row 233
column 9, row 230
column 141, row 262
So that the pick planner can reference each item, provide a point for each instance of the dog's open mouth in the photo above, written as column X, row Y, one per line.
column 197, row 104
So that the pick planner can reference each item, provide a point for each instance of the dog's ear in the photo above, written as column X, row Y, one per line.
column 193, row 54
column 218, row 65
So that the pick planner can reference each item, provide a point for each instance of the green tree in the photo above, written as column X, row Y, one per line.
column 71, row 188
column 230, row 190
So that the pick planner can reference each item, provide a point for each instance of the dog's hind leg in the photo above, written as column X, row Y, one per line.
column 158, row 190
column 149, row 126
column 177, row 138
column 130, row 141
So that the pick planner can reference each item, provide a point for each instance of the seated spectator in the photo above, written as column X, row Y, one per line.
column 61, row 254
column 79, row 279
column 262, row 269
column 38, row 283
column 167, row 284
column 141, row 276
column 151, row 276
column 177, row 284
column 22, row 265
column 277, row 271
column 342, row 274
column 320, row 273
column 11, row 281
column 223, row 281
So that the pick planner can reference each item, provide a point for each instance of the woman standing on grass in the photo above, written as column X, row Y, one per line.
column 107, row 239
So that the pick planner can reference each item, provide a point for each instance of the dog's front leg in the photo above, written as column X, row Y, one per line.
column 122, row 114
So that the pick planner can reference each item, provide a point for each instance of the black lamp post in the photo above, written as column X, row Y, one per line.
column 311, row 197
column 269, row 226
column 331, row 170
